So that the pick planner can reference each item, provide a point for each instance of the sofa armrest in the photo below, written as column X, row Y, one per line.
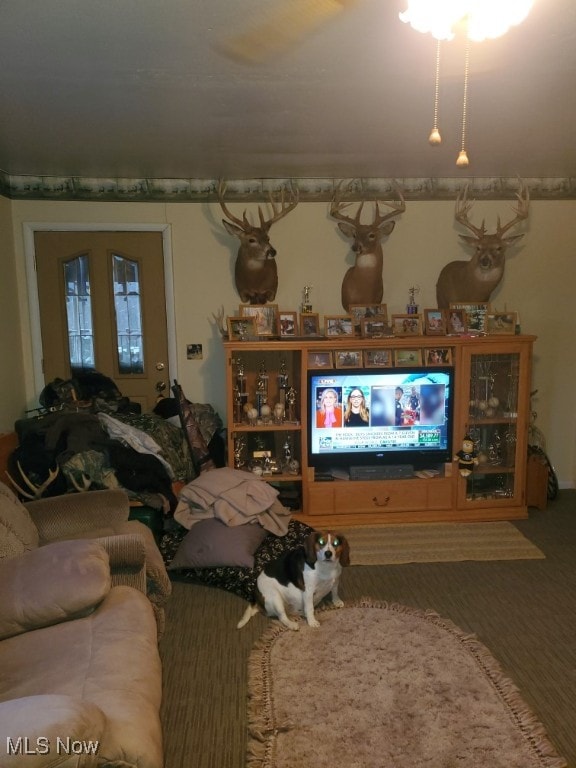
column 35, row 730
column 56, row 517
column 127, row 555
column 52, row 584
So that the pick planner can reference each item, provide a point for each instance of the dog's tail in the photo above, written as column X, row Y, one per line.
column 252, row 610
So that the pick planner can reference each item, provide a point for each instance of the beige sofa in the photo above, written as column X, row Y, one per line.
column 80, row 673
column 101, row 515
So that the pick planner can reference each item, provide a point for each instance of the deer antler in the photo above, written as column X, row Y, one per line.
column 84, row 486
column 277, row 213
column 521, row 211
column 243, row 223
column 463, row 208
column 337, row 205
column 37, row 490
column 219, row 320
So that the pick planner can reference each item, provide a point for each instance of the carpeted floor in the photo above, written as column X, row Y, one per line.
column 524, row 611
column 438, row 543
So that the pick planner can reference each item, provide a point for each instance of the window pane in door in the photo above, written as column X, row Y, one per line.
column 79, row 314
column 128, row 309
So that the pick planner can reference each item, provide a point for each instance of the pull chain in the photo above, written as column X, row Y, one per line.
column 434, row 139
column 462, row 160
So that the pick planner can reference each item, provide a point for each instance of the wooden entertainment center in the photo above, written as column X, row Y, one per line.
column 491, row 403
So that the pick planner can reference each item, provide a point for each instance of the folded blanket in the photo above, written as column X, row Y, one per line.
column 235, row 498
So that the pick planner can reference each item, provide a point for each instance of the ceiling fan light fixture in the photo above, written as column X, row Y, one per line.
column 481, row 18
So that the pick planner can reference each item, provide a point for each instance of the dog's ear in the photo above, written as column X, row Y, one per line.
column 344, row 552
column 310, row 548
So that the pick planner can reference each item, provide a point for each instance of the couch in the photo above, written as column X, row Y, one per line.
column 101, row 515
column 80, row 672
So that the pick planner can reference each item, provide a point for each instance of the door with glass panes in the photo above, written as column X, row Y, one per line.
column 102, row 308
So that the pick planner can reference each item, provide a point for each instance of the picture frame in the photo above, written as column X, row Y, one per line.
column 376, row 327
column 319, row 358
column 377, row 358
column 407, row 357
column 361, row 312
column 265, row 317
column 434, row 322
column 338, row 325
column 501, row 323
column 287, row 324
column 241, row 327
column 407, row 325
column 437, row 356
column 309, row 324
column 475, row 314
column 456, row 323
column 348, row 358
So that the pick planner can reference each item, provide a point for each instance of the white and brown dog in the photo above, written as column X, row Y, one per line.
column 300, row 579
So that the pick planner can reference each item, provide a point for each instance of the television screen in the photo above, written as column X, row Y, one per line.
column 368, row 416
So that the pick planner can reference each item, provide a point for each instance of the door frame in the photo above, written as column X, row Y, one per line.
column 30, row 228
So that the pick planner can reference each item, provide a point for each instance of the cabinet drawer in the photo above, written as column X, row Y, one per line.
column 376, row 496
column 321, row 498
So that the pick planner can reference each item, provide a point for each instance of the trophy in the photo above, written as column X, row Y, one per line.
column 306, row 306
column 261, row 389
column 282, row 383
column 412, row 307
column 240, row 386
column 291, row 404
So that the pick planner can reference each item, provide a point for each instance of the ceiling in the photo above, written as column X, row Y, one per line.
column 141, row 90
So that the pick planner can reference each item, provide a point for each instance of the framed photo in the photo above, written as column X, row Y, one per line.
column 456, row 322
column 376, row 327
column 241, row 328
column 338, row 325
column 377, row 358
column 348, row 358
column 287, row 324
column 501, row 322
column 407, row 357
column 320, row 359
column 265, row 317
column 361, row 312
column 407, row 325
column 475, row 315
column 309, row 324
column 438, row 356
column 434, row 322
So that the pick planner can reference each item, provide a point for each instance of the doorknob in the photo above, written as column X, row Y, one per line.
column 160, row 366
column 160, row 386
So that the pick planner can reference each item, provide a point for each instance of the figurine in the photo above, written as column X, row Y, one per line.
column 467, row 457
column 306, row 306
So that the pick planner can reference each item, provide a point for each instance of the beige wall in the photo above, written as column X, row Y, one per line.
column 539, row 283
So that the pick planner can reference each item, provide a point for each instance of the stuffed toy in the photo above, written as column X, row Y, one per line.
column 467, row 457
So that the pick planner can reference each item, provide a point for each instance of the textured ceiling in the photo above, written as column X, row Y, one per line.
column 139, row 89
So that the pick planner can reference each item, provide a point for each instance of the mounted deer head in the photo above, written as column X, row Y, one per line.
column 255, row 273
column 362, row 283
column 475, row 280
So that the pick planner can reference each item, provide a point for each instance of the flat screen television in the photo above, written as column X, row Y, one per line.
column 365, row 416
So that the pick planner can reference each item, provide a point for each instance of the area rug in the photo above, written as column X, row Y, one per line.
column 382, row 685
column 438, row 542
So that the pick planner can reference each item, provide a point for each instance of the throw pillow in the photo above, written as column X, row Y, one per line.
column 211, row 543
column 18, row 533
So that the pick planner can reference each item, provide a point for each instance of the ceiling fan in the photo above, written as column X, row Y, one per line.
column 282, row 28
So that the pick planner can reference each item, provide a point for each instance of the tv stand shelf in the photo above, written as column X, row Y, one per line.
column 491, row 404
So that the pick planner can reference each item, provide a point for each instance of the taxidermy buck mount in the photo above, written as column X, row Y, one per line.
column 475, row 280
column 363, row 283
column 255, row 272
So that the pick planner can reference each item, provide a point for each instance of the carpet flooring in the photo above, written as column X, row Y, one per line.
column 438, row 542
column 523, row 611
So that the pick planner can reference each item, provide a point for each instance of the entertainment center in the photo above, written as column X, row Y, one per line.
column 395, row 462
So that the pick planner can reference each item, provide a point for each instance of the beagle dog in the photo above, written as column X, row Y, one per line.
column 300, row 579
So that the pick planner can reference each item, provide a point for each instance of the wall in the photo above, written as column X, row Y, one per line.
column 539, row 283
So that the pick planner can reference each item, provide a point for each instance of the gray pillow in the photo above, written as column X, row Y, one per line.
column 211, row 543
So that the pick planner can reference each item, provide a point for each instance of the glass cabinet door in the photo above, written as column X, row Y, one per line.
column 496, row 422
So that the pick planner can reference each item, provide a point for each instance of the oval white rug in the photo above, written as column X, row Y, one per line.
column 381, row 685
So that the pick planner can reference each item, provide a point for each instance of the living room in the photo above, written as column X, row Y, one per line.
column 199, row 256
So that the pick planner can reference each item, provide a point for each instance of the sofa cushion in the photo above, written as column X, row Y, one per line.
column 50, row 731
column 18, row 533
column 109, row 658
column 211, row 543
column 52, row 584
